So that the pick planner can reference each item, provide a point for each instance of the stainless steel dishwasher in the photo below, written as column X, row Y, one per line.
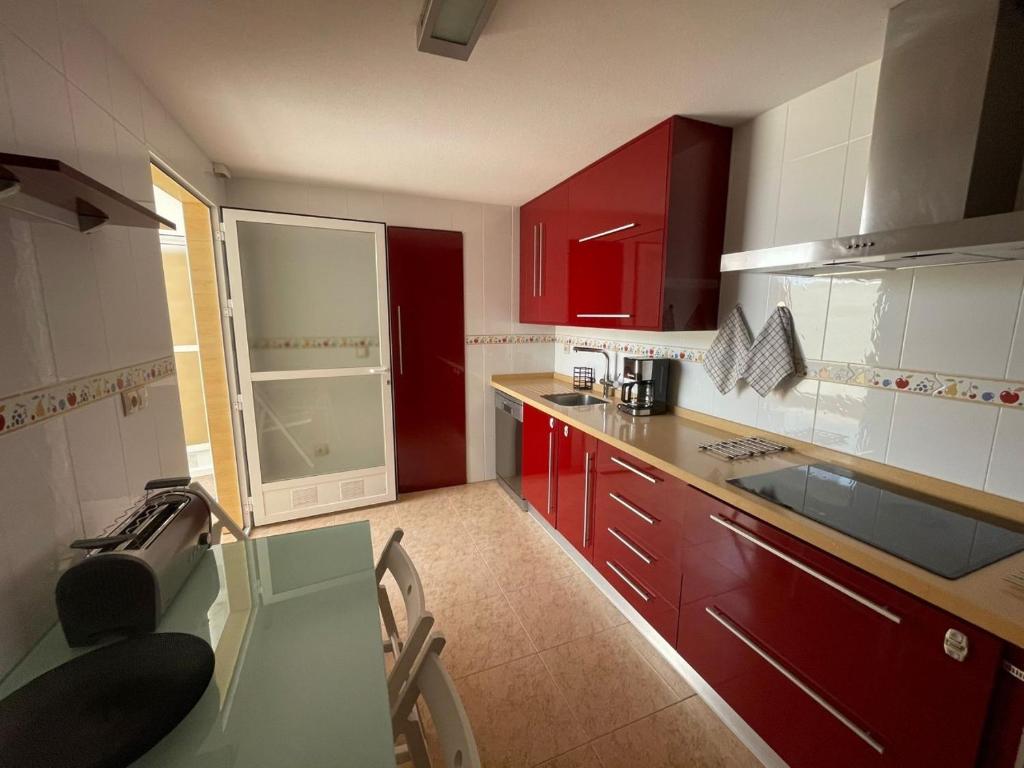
column 508, row 445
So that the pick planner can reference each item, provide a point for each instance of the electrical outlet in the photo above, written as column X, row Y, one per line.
column 321, row 449
column 134, row 400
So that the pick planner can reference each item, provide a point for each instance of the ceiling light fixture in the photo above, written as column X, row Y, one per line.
column 451, row 27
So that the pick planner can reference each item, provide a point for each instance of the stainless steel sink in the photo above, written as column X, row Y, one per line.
column 573, row 399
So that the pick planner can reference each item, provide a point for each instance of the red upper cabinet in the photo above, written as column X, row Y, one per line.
column 577, row 458
column 624, row 193
column 543, row 258
column 641, row 238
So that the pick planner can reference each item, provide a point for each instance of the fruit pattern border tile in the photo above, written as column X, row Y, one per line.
column 511, row 338
column 38, row 405
column 952, row 386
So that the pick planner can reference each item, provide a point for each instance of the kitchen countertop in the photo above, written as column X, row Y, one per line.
column 670, row 443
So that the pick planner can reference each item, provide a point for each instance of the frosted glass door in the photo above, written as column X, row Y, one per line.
column 311, row 333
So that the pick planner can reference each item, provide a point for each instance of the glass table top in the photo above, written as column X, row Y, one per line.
column 947, row 540
column 299, row 678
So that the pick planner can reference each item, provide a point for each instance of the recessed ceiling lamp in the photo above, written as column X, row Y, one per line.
column 451, row 27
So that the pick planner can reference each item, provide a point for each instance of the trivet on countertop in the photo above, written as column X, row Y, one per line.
column 742, row 448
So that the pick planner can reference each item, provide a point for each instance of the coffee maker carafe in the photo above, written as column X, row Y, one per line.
column 645, row 386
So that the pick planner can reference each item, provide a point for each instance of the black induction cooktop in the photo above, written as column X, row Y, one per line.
column 947, row 540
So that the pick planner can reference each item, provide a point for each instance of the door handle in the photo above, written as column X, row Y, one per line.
column 401, row 356
column 551, row 459
column 540, row 270
column 535, row 261
column 586, row 500
column 634, row 470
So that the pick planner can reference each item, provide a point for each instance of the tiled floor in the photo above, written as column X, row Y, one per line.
column 549, row 671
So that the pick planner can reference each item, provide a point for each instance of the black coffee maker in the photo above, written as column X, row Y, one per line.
column 645, row 386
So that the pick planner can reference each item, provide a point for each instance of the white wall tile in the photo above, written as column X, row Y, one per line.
column 807, row 299
column 468, row 219
column 1005, row 477
column 140, row 448
column 477, row 415
column 74, row 311
column 790, row 410
column 863, row 117
column 37, row 25
column 119, row 295
column 38, row 519
column 366, row 205
column 1015, row 366
column 855, row 182
column 866, row 318
column 170, row 434
column 755, row 175
column 942, row 438
column 133, row 160
column 85, row 53
column 820, row 118
column 25, row 341
column 750, row 291
column 740, row 405
column 125, row 94
column 154, row 325
column 694, row 389
column 267, row 195
column 961, row 319
column 854, row 419
column 327, row 201
column 810, row 197
column 413, row 211
column 39, row 102
column 94, row 137
column 498, row 267
column 96, row 453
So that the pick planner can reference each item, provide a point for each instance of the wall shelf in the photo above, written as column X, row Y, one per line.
column 51, row 190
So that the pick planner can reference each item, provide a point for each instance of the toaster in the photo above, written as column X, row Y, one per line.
column 129, row 577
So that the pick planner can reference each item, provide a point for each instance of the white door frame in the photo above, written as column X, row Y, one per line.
column 246, row 377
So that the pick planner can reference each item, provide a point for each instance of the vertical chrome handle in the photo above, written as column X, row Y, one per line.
column 540, row 270
column 551, row 458
column 401, row 356
column 535, row 260
column 586, row 500
column 634, row 470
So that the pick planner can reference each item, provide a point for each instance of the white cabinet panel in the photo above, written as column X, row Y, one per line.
column 820, row 118
column 810, row 197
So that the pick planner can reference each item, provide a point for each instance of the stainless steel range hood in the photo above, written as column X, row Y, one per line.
column 945, row 179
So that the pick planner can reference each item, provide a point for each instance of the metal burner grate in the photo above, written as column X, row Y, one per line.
column 743, row 448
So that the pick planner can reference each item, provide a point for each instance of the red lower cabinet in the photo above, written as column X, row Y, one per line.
column 863, row 664
column 577, row 455
column 1004, row 734
column 539, row 455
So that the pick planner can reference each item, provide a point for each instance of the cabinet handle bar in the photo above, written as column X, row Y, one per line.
column 880, row 610
column 611, row 231
column 631, row 546
column 635, row 510
column 634, row 470
column 629, row 582
column 741, row 636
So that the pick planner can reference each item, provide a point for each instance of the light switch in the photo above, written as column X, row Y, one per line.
column 134, row 400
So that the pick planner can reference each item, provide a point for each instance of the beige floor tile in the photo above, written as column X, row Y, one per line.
column 686, row 734
column 480, row 635
column 519, row 716
column 456, row 580
column 557, row 612
column 665, row 670
column 607, row 682
column 493, row 524
column 584, row 757
column 520, row 562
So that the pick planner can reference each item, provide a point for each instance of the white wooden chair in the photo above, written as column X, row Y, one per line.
column 431, row 680
column 396, row 561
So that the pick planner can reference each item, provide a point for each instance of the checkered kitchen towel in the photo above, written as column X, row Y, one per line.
column 773, row 357
column 728, row 352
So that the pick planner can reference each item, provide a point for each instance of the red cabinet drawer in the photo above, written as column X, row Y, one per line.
column 662, row 575
column 620, row 573
column 874, row 649
column 802, row 731
column 625, row 191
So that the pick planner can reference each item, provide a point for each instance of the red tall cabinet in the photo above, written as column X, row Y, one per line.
column 636, row 238
column 428, row 356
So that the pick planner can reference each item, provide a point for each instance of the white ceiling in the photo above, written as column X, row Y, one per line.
column 335, row 90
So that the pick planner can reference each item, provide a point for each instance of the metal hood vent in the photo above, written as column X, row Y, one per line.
column 945, row 183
